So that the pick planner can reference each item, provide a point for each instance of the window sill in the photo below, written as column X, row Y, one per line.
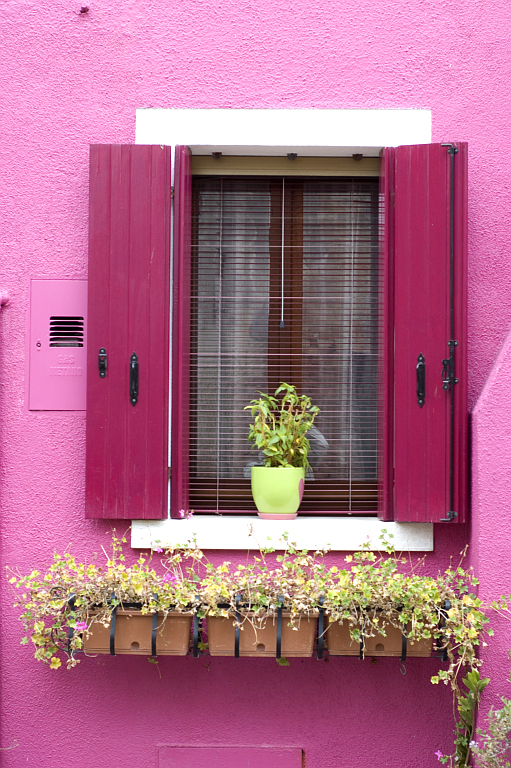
column 340, row 534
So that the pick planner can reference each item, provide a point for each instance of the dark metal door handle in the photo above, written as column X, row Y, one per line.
column 421, row 380
column 102, row 362
column 133, row 379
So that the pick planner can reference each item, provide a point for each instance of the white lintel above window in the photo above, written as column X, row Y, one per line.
column 311, row 132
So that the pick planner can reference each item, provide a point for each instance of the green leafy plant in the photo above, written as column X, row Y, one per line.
column 59, row 606
column 468, row 702
column 492, row 749
column 493, row 746
column 280, row 426
column 372, row 592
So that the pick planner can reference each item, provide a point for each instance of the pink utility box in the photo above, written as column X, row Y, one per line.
column 58, row 345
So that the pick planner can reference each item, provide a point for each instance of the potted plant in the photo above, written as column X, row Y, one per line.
column 263, row 608
column 88, row 608
column 279, row 432
column 268, row 605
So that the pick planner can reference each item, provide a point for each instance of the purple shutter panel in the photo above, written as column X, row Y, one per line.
column 181, row 331
column 127, row 445
column 423, row 489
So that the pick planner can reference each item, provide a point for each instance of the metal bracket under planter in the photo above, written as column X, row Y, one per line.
column 393, row 643
column 140, row 634
column 259, row 637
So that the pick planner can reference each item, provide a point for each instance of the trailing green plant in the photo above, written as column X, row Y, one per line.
column 467, row 704
column 372, row 592
column 492, row 749
column 281, row 423
column 493, row 746
column 73, row 596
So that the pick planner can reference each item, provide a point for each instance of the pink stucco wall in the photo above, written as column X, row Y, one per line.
column 72, row 79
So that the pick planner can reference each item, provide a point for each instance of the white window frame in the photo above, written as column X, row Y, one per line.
column 308, row 132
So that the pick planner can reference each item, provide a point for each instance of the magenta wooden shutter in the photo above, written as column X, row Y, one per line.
column 181, row 331
column 424, row 490
column 127, row 445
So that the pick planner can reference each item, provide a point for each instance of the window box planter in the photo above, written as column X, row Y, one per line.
column 258, row 637
column 133, row 634
column 339, row 643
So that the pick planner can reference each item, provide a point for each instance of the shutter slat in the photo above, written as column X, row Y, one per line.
column 126, row 451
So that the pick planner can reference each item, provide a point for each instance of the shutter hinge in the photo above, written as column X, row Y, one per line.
column 448, row 375
column 451, row 149
column 172, row 193
column 450, row 516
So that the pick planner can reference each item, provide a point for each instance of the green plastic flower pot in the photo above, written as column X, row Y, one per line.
column 277, row 491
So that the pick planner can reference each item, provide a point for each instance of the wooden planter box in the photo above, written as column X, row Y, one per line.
column 260, row 638
column 133, row 631
column 339, row 643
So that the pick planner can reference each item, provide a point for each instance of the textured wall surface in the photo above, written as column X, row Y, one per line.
column 70, row 79
column 491, row 504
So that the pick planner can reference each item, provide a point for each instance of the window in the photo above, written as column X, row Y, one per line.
column 419, row 471
column 284, row 287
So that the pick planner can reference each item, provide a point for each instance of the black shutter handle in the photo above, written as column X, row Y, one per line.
column 133, row 379
column 102, row 362
column 421, row 380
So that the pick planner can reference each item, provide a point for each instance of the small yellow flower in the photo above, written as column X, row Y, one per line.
column 467, row 600
column 55, row 662
column 348, row 558
column 333, row 569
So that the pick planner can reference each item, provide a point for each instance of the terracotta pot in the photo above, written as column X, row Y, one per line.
column 277, row 491
column 339, row 643
column 133, row 634
column 260, row 638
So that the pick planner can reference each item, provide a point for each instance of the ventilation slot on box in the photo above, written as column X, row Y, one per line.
column 66, row 331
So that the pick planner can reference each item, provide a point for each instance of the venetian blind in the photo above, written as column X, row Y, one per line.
column 285, row 287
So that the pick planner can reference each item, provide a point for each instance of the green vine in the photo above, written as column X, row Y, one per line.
column 372, row 592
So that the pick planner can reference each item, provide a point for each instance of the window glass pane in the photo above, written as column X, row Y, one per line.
column 285, row 287
column 340, row 325
column 230, row 306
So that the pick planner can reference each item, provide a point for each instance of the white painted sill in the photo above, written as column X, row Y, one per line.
column 340, row 534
